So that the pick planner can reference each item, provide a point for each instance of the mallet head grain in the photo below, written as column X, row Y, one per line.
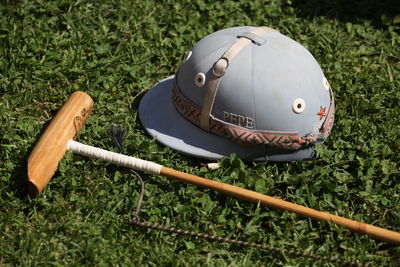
column 52, row 145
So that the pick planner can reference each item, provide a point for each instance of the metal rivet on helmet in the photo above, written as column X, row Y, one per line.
column 200, row 79
column 298, row 105
column 246, row 90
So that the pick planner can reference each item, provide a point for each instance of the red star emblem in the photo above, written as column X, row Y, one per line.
column 321, row 112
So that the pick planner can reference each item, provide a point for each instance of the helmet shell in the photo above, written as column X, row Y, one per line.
column 261, row 84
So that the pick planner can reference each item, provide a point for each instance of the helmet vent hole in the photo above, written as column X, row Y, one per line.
column 298, row 106
column 200, row 79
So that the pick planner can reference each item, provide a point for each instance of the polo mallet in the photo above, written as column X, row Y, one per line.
column 58, row 137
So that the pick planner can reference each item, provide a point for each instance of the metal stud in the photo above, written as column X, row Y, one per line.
column 298, row 105
column 200, row 79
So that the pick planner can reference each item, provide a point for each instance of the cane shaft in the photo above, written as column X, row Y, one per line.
column 374, row 231
column 238, row 192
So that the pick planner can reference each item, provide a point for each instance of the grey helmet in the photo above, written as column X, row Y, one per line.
column 245, row 90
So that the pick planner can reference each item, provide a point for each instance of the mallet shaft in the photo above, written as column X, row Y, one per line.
column 245, row 194
column 112, row 157
column 235, row 191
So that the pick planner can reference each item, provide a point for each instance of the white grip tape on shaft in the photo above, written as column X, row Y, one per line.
column 116, row 158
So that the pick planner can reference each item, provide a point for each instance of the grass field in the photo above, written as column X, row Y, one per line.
column 115, row 51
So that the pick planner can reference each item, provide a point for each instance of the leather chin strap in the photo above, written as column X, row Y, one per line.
column 221, row 66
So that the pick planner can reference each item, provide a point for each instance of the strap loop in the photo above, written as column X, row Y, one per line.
column 257, row 39
column 220, row 67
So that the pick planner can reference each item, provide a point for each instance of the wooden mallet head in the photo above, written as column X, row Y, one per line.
column 52, row 145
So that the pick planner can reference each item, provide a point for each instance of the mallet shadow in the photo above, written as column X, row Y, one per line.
column 19, row 177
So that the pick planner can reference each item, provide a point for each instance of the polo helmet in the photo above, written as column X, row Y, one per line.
column 246, row 90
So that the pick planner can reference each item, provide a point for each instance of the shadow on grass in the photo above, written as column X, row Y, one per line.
column 380, row 13
column 19, row 177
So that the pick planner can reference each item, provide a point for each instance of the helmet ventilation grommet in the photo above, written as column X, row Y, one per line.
column 200, row 79
column 298, row 105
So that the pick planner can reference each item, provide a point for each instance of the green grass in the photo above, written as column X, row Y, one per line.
column 115, row 51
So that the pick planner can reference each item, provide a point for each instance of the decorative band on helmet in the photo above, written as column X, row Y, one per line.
column 245, row 136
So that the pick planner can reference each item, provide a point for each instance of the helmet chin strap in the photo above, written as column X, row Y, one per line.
column 220, row 67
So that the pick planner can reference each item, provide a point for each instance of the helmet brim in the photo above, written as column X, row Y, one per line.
column 161, row 120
